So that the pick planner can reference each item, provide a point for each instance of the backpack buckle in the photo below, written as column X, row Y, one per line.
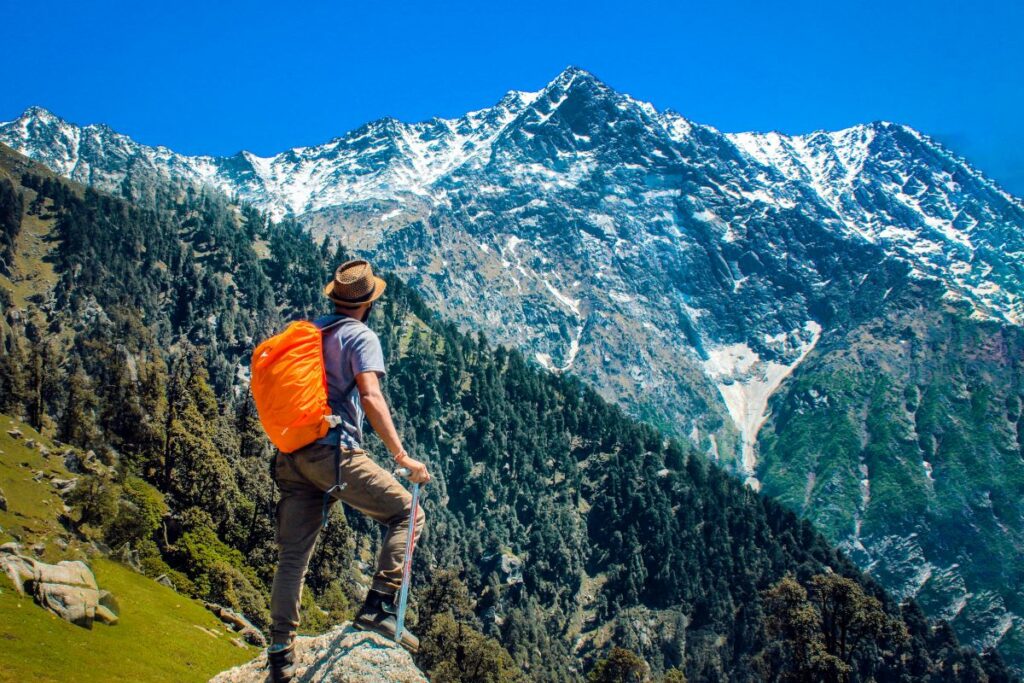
column 333, row 420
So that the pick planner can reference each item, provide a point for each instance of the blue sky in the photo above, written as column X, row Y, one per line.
column 217, row 77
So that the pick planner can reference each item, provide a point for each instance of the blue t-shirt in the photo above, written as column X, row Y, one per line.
column 350, row 347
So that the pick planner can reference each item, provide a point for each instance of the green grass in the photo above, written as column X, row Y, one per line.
column 162, row 635
column 32, row 506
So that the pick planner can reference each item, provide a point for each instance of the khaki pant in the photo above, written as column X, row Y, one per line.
column 302, row 478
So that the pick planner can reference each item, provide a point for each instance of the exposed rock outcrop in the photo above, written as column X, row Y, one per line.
column 342, row 655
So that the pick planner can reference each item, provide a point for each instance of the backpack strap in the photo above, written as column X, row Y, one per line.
column 335, row 420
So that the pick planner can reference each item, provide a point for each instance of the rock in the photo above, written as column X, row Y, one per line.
column 31, row 443
column 71, row 603
column 343, row 654
column 75, row 462
column 14, row 433
column 68, row 589
column 512, row 566
column 129, row 557
column 108, row 609
column 3, row 501
column 105, row 615
column 238, row 623
column 253, row 637
column 75, row 573
column 165, row 580
column 20, row 570
column 64, row 486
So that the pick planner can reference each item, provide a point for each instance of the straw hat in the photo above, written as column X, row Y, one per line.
column 354, row 284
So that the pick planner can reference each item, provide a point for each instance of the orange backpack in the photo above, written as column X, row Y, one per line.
column 289, row 385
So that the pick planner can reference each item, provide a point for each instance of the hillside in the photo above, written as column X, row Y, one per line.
column 686, row 275
column 921, row 475
column 161, row 636
column 559, row 526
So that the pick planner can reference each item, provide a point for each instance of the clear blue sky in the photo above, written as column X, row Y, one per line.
column 216, row 77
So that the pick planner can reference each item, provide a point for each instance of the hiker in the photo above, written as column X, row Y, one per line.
column 337, row 465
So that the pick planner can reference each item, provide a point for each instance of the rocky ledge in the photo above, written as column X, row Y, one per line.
column 342, row 655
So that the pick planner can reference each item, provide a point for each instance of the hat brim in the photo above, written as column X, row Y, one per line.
column 378, row 288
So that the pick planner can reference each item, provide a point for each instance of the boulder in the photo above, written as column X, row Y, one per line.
column 238, row 623
column 20, row 570
column 75, row 573
column 3, row 501
column 125, row 555
column 64, row 486
column 14, row 433
column 68, row 589
column 165, row 580
column 342, row 655
column 77, row 462
column 71, row 603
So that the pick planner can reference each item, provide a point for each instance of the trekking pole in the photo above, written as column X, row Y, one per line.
column 403, row 595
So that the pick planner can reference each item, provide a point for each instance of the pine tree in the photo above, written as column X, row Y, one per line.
column 79, row 425
column 621, row 666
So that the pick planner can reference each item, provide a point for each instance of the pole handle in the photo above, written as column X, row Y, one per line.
column 403, row 472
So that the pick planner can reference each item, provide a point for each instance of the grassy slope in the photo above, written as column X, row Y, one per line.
column 162, row 636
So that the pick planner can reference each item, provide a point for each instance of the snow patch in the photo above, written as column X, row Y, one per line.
column 746, row 382
column 572, row 304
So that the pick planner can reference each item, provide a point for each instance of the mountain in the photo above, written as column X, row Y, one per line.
column 561, row 530
column 682, row 270
column 687, row 274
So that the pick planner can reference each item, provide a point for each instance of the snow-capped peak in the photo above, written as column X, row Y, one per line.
column 881, row 183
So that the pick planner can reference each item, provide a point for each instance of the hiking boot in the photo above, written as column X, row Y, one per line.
column 378, row 615
column 281, row 659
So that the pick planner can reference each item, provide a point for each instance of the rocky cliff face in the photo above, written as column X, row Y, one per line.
column 684, row 272
column 342, row 655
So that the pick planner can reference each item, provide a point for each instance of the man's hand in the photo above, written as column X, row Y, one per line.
column 417, row 471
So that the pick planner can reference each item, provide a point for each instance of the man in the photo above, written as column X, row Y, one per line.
column 336, row 468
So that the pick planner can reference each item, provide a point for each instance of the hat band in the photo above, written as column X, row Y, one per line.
column 357, row 300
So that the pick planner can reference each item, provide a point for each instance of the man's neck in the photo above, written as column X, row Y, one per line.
column 350, row 314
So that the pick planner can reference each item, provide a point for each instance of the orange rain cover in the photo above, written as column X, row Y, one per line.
column 289, row 385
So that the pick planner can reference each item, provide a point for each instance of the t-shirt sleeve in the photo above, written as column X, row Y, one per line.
column 367, row 355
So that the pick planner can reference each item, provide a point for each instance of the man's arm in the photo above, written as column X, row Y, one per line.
column 379, row 416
